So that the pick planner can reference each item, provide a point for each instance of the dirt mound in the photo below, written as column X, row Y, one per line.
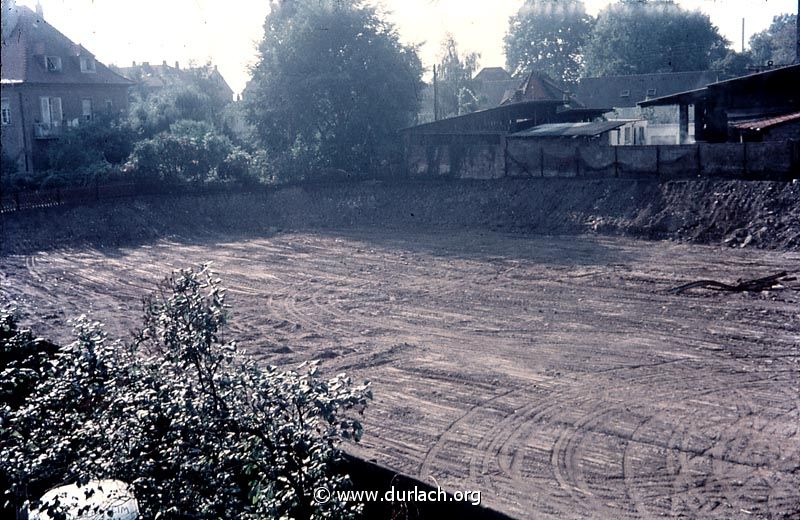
column 736, row 213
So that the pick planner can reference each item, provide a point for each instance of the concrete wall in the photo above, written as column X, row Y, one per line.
column 467, row 156
column 783, row 132
column 519, row 157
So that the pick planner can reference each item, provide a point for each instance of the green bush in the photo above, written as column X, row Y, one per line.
column 102, row 139
column 88, row 153
column 190, row 152
column 24, row 361
column 198, row 430
column 155, row 113
column 8, row 166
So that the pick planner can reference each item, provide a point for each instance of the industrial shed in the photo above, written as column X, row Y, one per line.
column 616, row 132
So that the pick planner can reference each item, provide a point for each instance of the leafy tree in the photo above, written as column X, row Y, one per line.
column 154, row 113
column 199, row 430
column 103, row 139
column 84, row 154
column 549, row 36
column 332, row 86
column 776, row 43
column 639, row 37
column 190, row 152
column 456, row 89
column 733, row 64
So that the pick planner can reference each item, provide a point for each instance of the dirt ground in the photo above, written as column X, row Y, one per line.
column 554, row 374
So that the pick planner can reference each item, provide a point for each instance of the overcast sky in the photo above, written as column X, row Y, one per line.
column 226, row 31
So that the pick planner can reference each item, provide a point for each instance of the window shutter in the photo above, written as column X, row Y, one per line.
column 56, row 113
column 86, row 109
column 45, row 104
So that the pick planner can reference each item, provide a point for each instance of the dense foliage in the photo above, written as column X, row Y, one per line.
column 332, row 86
column 456, row 88
column 776, row 43
column 548, row 36
column 154, row 113
column 640, row 37
column 85, row 154
column 181, row 414
column 190, row 152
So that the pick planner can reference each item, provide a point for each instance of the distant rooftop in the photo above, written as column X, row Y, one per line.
column 627, row 91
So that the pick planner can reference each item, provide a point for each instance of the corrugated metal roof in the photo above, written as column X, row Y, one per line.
column 570, row 129
column 762, row 124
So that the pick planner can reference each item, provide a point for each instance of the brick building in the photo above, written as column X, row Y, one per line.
column 48, row 84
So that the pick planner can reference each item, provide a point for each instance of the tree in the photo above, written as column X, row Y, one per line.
column 777, row 43
column 190, row 152
column 456, row 89
column 733, row 64
column 195, row 427
column 640, row 37
column 154, row 113
column 332, row 86
column 549, row 36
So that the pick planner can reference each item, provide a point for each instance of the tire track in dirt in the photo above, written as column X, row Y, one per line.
column 553, row 374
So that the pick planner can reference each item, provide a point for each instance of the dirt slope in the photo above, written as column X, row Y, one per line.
column 736, row 213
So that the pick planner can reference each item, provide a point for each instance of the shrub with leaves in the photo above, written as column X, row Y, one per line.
column 199, row 430
column 191, row 151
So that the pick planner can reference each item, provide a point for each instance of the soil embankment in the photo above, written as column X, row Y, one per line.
column 736, row 213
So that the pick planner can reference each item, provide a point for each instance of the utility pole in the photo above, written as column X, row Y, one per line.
column 436, row 95
column 743, row 35
column 797, row 36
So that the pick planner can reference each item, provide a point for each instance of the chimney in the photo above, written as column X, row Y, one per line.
column 9, row 18
column 177, row 65
column 39, row 10
column 164, row 63
column 133, row 64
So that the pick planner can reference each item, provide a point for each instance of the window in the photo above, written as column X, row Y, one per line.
column 87, row 64
column 109, row 105
column 651, row 92
column 625, row 93
column 53, row 63
column 51, row 111
column 640, row 131
column 86, row 106
column 627, row 135
column 5, row 111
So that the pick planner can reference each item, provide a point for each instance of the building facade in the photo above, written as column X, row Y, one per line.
column 49, row 83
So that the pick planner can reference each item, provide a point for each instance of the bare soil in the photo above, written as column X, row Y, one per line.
column 732, row 213
column 555, row 374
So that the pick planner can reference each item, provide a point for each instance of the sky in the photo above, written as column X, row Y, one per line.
column 226, row 32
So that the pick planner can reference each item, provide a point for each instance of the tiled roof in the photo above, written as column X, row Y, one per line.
column 537, row 87
column 25, row 47
column 627, row 91
column 159, row 76
column 492, row 74
column 762, row 124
